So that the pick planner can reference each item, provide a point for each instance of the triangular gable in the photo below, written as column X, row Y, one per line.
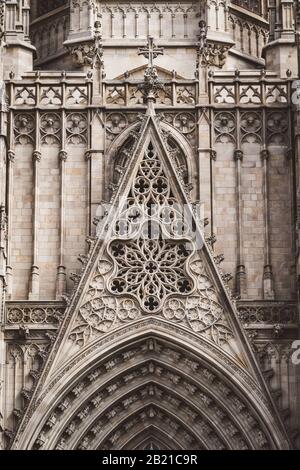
column 146, row 263
column 139, row 72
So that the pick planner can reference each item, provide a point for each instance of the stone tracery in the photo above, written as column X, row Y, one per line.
column 152, row 265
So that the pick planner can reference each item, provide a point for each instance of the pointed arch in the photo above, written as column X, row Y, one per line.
column 120, row 151
column 151, row 438
column 188, row 389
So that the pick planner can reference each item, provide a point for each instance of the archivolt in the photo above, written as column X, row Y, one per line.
column 158, row 389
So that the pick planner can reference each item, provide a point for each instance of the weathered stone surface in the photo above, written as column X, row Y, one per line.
column 219, row 102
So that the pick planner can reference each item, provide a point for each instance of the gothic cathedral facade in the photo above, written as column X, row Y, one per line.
column 149, row 224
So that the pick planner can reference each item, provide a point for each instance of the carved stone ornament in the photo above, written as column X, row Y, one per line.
column 213, row 55
column 151, row 266
column 151, row 85
column 89, row 53
column 3, row 226
column 210, row 53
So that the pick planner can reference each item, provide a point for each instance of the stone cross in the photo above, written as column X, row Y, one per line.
column 150, row 51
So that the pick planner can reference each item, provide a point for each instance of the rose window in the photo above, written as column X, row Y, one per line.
column 150, row 270
column 151, row 248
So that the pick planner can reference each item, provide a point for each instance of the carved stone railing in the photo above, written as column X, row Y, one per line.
column 72, row 90
column 129, row 93
column 33, row 314
column 55, row 90
column 255, row 88
column 269, row 320
column 51, row 90
column 268, row 313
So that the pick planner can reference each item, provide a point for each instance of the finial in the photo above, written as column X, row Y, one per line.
column 151, row 84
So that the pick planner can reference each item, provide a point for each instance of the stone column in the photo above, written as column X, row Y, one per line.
column 268, row 288
column 34, row 287
column 10, row 177
column 241, row 285
column 61, row 280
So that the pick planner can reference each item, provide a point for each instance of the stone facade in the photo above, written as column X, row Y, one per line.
column 194, row 103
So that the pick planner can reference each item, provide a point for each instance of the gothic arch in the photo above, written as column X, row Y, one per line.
column 151, row 439
column 119, row 152
column 192, row 391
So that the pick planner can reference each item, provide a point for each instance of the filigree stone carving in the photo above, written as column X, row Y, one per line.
column 116, row 123
column 84, row 54
column 115, row 95
column 224, row 94
column 50, row 129
column 150, row 271
column 25, row 95
column 200, row 396
column 76, row 95
column 276, row 94
column 210, row 54
column 251, row 127
column 277, row 127
column 225, row 126
column 51, row 96
column 213, row 55
column 33, row 314
column 151, row 85
column 76, row 128
column 250, row 94
column 185, row 123
column 24, row 128
column 186, row 94
column 268, row 313
column 164, row 95
column 89, row 53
